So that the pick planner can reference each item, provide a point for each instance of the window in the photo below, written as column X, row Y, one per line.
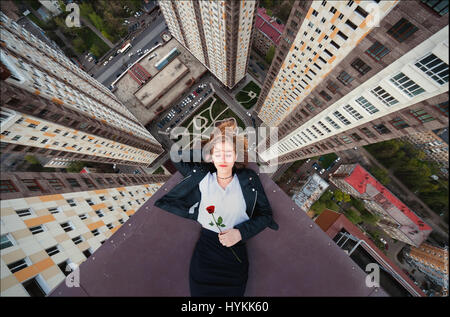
column 325, row 96
column 345, row 37
column 381, row 129
column 54, row 210
column 355, row 114
column 71, row 202
column 361, row 11
column 406, row 85
column 333, row 10
column 7, row 186
column 377, row 51
column 335, row 44
column 298, row 14
column 366, row 105
column 421, row 115
column 399, row 123
column 99, row 213
column 341, row 118
column 438, row 6
column 77, row 240
column 367, row 132
column 24, row 212
column 32, row 125
column 315, row 13
column 328, row 52
column 360, row 66
column 18, row 265
column 346, row 139
column 333, row 87
column 55, row 183
column 83, row 216
column 90, row 202
column 32, row 185
column 356, row 137
column 434, row 67
column 37, row 229
column 110, row 226
column 345, row 78
column 350, row 3
column 324, row 126
column 52, row 251
column 95, row 232
column 443, row 108
column 66, row 226
column 6, row 241
column 121, row 221
column 384, row 96
column 332, row 123
column 402, row 30
column 33, row 138
column 73, row 182
column 88, row 182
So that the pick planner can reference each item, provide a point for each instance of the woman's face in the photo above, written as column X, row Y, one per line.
column 223, row 156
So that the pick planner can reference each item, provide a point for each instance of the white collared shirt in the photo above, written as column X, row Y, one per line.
column 229, row 203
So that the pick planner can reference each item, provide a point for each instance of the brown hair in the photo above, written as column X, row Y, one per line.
column 226, row 130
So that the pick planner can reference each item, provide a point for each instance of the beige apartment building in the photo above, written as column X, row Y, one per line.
column 52, row 108
column 218, row 33
column 350, row 73
column 52, row 222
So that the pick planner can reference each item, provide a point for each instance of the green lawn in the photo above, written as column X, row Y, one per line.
column 211, row 115
column 244, row 99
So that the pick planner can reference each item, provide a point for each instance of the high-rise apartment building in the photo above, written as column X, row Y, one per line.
column 53, row 220
column 432, row 261
column 349, row 73
column 52, row 108
column 218, row 33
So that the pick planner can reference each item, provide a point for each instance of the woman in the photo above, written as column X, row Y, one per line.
column 228, row 200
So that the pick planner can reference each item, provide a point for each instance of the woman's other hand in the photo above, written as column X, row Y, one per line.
column 230, row 237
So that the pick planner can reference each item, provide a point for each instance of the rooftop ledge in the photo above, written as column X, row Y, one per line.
column 150, row 256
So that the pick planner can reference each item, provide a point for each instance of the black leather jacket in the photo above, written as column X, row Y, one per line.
column 187, row 194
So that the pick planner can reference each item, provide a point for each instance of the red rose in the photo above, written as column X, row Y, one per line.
column 210, row 209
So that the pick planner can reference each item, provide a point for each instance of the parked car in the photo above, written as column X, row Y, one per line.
column 316, row 166
column 308, row 160
column 110, row 58
column 106, row 62
column 322, row 171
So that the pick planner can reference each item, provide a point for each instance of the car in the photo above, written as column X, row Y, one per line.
column 322, row 171
column 151, row 56
column 146, row 50
column 90, row 59
column 110, row 58
column 130, row 54
column 316, row 166
column 308, row 160
column 106, row 62
column 338, row 159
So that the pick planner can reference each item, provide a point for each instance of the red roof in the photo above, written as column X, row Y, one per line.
column 268, row 26
column 359, row 179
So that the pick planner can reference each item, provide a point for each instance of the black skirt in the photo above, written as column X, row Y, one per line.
column 214, row 269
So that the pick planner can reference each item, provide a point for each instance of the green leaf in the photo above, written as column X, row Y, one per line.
column 211, row 224
column 219, row 220
column 222, row 225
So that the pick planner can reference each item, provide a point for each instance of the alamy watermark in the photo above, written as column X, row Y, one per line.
column 73, row 279
column 73, row 18
column 256, row 140
column 373, row 278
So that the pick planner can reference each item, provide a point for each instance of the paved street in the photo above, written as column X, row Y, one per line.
column 147, row 39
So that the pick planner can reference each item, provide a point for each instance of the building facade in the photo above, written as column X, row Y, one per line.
column 52, row 107
column 53, row 220
column 218, row 33
column 434, row 147
column 349, row 73
column 396, row 219
column 310, row 192
column 267, row 32
column 432, row 261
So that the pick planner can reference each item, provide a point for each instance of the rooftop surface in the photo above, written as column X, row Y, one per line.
column 310, row 192
column 127, row 86
column 268, row 26
column 150, row 256
column 364, row 182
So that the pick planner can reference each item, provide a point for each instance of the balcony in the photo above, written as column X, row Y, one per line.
column 150, row 255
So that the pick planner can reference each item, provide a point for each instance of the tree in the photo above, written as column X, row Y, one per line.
column 270, row 54
column 79, row 45
column 380, row 174
column 338, row 195
column 75, row 167
column 347, row 198
column 31, row 159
